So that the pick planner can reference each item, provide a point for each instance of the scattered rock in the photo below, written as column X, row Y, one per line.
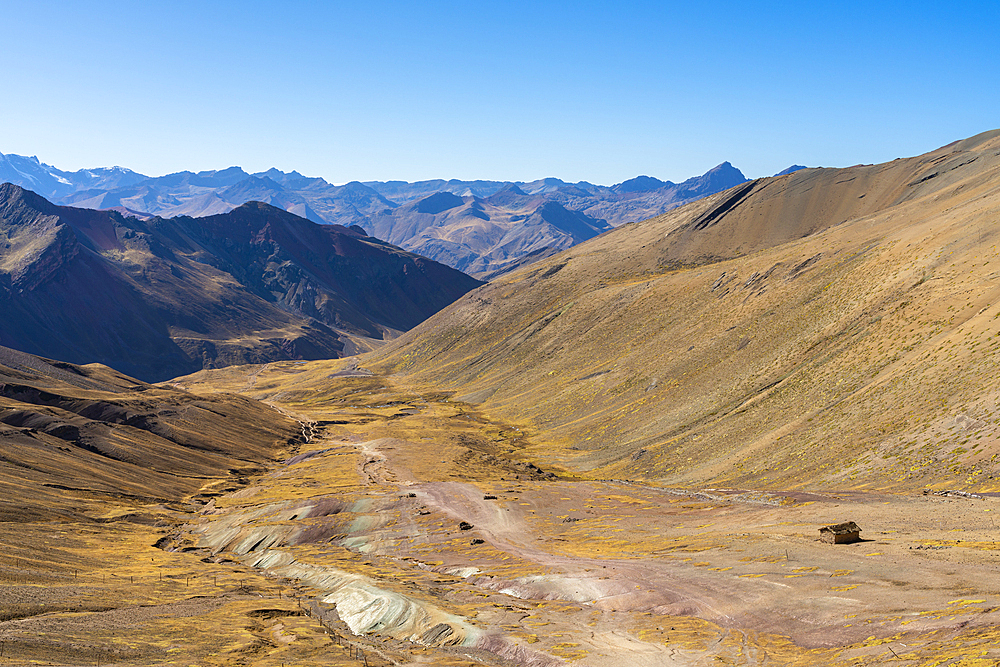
column 956, row 494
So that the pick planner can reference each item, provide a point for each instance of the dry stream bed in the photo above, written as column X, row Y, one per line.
column 413, row 530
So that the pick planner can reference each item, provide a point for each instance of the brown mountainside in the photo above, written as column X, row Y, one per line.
column 157, row 298
column 832, row 326
column 73, row 438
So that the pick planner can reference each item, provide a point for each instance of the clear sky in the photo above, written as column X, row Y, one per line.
column 594, row 91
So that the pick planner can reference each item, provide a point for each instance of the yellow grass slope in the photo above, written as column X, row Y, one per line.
column 832, row 327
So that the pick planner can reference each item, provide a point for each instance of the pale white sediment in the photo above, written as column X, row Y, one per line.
column 366, row 608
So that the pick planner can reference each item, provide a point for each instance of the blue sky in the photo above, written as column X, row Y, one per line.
column 509, row 91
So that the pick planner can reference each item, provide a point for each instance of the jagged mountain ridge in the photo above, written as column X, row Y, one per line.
column 526, row 234
column 52, row 183
column 484, row 237
column 160, row 297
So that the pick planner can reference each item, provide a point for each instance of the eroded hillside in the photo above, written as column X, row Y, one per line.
column 75, row 437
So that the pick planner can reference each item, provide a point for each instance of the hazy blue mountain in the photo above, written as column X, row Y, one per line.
column 640, row 184
column 484, row 237
column 29, row 172
column 402, row 192
column 550, row 211
column 104, row 178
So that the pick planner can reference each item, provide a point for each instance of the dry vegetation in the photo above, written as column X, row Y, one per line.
column 621, row 454
column 559, row 565
column 857, row 356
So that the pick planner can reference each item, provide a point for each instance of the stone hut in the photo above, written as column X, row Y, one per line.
column 840, row 533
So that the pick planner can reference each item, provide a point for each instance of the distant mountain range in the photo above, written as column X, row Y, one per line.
column 158, row 298
column 481, row 227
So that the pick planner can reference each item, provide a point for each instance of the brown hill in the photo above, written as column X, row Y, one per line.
column 830, row 326
column 157, row 298
column 73, row 438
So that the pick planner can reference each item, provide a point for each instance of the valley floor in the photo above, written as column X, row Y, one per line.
column 413, row 530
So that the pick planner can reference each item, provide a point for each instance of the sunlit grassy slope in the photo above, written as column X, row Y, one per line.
column 832, row 327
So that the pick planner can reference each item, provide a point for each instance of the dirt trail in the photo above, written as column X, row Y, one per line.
column 758, row 587
column 590, row 571
column 252, row 378
column 505, row 525
column 606, row 583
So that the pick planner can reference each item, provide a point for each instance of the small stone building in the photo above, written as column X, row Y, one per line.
column 840, row 533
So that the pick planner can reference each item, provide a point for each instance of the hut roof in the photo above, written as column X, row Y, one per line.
column 841, row 528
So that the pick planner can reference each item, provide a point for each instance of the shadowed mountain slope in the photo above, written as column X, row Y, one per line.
column 829, row 326
column 157, row 298
column 75, row 437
